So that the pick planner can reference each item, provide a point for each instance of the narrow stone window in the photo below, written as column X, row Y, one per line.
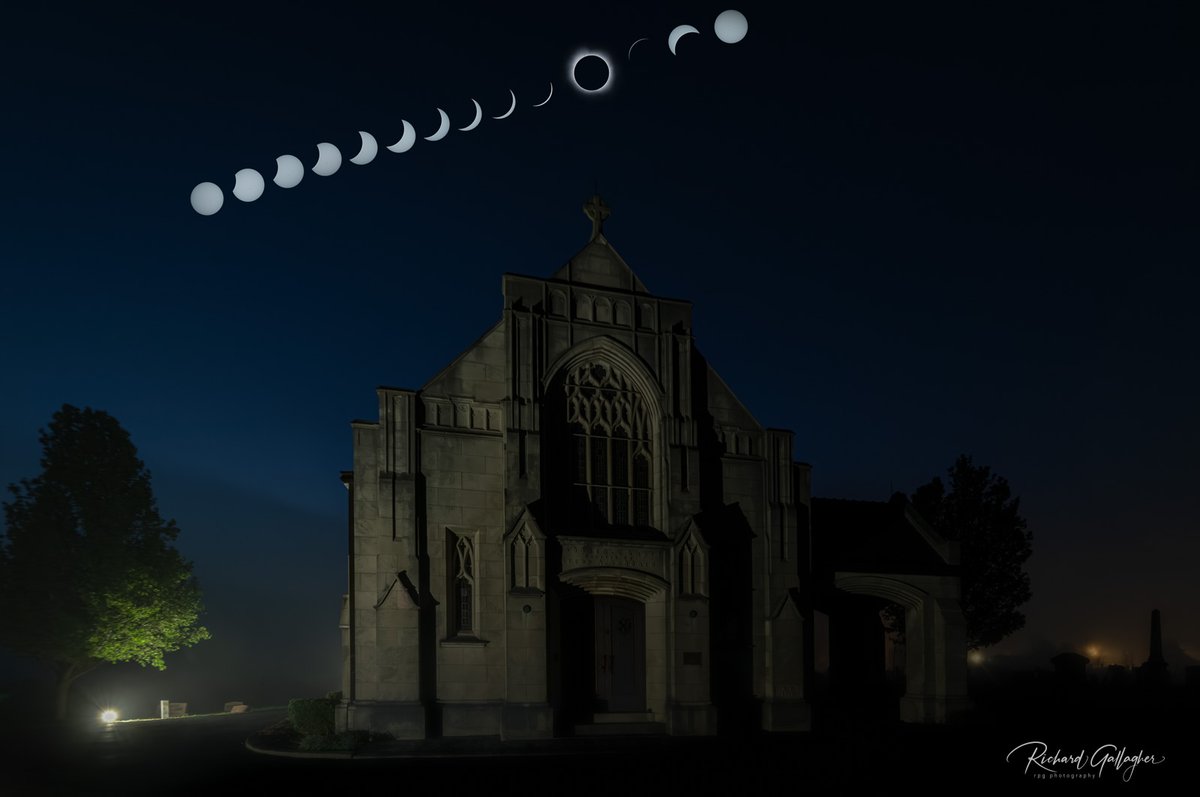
column 464, row 587
column 685, row 571
column 524, row 563
column 692, row 569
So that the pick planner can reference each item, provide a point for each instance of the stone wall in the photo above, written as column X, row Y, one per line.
column 460, row 462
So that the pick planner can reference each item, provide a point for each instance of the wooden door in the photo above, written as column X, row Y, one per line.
column 620, row 654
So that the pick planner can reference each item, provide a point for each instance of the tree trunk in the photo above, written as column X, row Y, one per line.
column 63, row 691
column 66, row 677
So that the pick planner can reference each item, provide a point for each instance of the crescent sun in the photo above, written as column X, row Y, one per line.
column 635, row 44
column 443, row 128
column 328, row 161
column 370, row 148
column 548, row 96
column 474, row 123
column 289, row 171
column 678, row 34
column 407, row 138
column 511, row 108
column 248, row 185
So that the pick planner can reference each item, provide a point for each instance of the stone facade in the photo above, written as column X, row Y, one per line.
column 576, row 523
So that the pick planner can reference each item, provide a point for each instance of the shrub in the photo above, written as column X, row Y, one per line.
column 311, row 716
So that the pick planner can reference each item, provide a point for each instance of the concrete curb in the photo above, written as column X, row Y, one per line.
column 585, row 750
column 297, row 753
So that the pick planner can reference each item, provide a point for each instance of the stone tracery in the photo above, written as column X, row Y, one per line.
column 611, row 442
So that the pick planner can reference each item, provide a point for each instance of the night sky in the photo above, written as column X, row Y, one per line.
column 909, row 232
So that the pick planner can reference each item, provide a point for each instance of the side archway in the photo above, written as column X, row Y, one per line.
column 935, row 648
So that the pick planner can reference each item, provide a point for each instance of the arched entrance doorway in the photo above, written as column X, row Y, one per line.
column 615, row 647
column 935, row 639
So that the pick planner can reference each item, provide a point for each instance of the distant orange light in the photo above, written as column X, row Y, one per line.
column 1093, row 651
column 975, row 657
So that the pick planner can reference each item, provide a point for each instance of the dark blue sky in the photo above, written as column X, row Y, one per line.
column 909, row 232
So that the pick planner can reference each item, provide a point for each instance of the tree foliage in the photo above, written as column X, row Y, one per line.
column 88, row 573
column 979, row 511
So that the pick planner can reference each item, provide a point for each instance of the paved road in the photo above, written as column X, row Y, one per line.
column 141, row 757
column 206, row 755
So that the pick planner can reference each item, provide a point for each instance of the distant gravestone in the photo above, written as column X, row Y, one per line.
column 1116, row 675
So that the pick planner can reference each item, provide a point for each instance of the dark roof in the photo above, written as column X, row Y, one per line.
column 871, row 537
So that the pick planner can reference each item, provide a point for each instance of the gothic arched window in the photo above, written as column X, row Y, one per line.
column 524, row 565
column 611, row 444
column 692, row 569
column 462, row 588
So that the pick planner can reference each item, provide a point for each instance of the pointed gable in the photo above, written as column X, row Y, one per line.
column 477, row 372
column 726, row 408
column 599, row 264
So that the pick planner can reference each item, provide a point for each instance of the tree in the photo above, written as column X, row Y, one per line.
column 980, row 512
column 88, row 573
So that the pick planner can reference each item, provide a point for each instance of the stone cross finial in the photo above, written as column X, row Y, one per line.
column 597, row 211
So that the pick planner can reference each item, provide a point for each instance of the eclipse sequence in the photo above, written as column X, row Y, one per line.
column 588, row 71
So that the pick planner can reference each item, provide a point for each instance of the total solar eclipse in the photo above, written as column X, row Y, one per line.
column 590, row 72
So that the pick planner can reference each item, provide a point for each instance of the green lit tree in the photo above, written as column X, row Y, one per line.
column 88, row 573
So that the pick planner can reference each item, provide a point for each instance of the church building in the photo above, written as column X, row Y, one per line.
column 576, row 527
